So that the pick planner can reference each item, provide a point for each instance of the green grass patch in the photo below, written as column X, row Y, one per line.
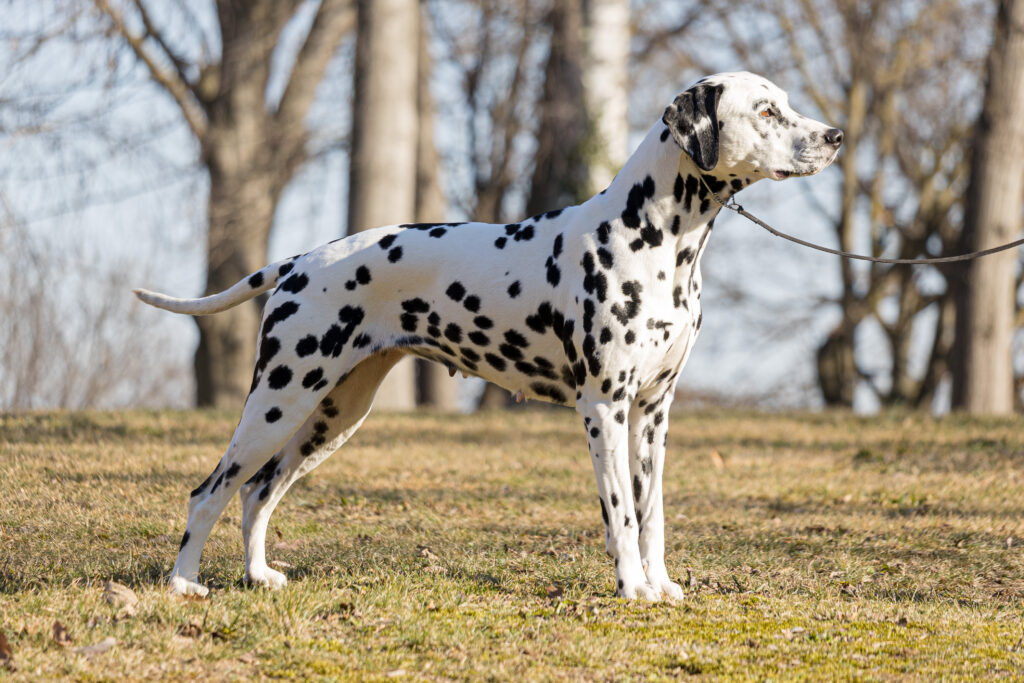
column 811, row 546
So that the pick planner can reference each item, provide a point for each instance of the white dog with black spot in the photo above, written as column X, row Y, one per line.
column 594, row 306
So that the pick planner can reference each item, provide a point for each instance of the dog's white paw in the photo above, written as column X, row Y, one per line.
column 179, row 585
column 671, row 590
column 666, row 586
column 642, row 590
column 266, row 577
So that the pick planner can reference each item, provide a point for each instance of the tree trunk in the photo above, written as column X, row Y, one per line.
column 244, row 188
column 382, row 174
column 605, row 77
column 250, row 147
column 435, row 389
column 982, row 364
column 836, row 362
column 837, row 370
column 240, row 215
column 560, row 174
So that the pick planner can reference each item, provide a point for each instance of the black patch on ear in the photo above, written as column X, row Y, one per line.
column 692, row 118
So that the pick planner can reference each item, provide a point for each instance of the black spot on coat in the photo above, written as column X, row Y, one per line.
column 279, row 377
column 296, row 283
column 455, row 291
column 282, row 312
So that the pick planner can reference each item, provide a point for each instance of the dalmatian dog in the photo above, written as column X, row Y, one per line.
column 594, row 306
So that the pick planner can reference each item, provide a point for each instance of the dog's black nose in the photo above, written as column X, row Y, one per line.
column 834, row 136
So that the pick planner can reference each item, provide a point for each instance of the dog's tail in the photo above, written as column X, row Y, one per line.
column 243, row 290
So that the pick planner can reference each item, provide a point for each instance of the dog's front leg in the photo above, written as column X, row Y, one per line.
column 648, row 428
column 608, row 435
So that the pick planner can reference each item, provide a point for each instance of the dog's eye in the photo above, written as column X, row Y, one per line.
column 767, row 113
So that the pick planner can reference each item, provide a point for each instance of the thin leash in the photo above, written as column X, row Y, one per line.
column 734, row 206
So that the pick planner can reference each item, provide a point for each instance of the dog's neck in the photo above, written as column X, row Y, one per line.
column 661, row 186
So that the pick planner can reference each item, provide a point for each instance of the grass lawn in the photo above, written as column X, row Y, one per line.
column 812, row 547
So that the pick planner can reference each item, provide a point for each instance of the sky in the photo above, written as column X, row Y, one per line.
column 131, row 199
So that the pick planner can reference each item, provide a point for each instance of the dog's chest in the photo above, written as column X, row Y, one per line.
column 671, row 320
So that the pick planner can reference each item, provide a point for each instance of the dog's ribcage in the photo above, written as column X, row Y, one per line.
column 552, row 306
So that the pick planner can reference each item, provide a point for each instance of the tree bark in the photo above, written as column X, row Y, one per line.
column 385, row 126
column 240, row 216
column 435, row 389
column 982, row 364
column 836, row 364
column 560, row 173
column 251, row 152
column 605, row 79
column 837, row 370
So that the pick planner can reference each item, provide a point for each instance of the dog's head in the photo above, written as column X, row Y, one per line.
column 741, row 123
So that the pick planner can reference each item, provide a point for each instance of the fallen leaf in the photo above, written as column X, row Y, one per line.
column 122, row 597
column 222, row 634
column 61, row 635
column 247, row 657
column 718, row 460
column 189, row 630
column 554, row 592
column 98, row 648
column 119, row 594
column 6, row 653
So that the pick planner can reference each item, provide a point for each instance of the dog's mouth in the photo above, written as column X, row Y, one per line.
column 810, row 164
column 780, row 174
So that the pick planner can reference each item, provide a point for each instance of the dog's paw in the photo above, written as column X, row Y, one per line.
column 266, row 577
column 179, row 585
column 639, row 590
column 671, row 590
column 666, row 586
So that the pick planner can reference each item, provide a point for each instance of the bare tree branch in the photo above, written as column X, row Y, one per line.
column 157, row 37
column 172, row 82
column 334, row 19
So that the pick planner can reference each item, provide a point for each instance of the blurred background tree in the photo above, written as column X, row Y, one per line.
column 252, row 141
column 987, row 291
column 487, row 110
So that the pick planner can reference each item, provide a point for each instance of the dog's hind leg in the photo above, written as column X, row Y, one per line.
column 339, row 415
column 264, row 429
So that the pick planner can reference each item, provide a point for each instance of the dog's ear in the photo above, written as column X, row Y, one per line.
column 692, row 118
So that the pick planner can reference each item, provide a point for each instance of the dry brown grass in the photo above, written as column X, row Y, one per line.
column 814, row 547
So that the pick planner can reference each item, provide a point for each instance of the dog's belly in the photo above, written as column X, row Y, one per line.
column 539, row 371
